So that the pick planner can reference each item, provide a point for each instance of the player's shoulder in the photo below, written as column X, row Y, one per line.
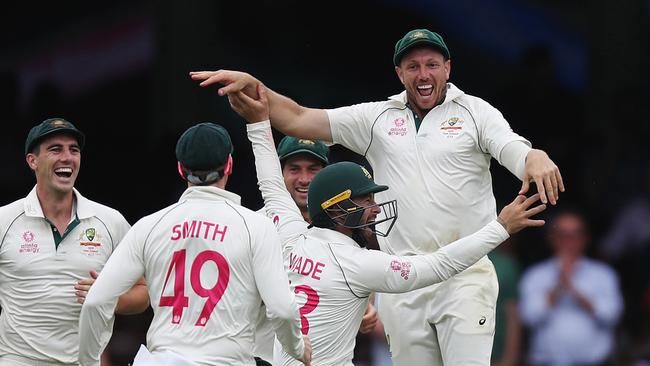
column 475, row 104
column 257, row 217
column 12, row 210
column 376, row 108
column 103, row 211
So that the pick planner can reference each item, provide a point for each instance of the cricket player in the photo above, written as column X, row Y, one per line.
column 331, row 272
column 51, row 241
column 208, row 263
column 300, row 160
column 432, row 144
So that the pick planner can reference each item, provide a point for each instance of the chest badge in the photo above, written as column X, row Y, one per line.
column 87, row 241
column 397, row 127
column 452, row 127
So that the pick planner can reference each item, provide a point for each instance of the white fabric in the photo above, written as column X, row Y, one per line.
column 40, row 315
column 333, row 277
column 231, row 258
column 146, row 358
column 513, row 157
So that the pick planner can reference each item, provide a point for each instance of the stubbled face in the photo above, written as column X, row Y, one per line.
column 298, row 172
column 369, row 215
column 424, row 73
column 56, row 163
column 569, row 236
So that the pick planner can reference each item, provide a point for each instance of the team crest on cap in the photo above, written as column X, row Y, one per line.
column 306, row 142
column 366, row 172
column 418, row 34
column 57, row 123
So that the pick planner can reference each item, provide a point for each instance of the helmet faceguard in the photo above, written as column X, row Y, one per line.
column 342, row 210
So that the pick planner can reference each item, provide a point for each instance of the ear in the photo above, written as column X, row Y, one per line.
column 398, row 71
column 228, row 169
column 180, row 170
column 31, row 161
column 448, row 68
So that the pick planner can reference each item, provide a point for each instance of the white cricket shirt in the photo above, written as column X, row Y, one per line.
column 333, row 276
column 208, row 263
column 40, row 315
column 439, row 174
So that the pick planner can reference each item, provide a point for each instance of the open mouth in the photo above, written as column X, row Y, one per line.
column 302, row 190
column 425, row 90
column 63, row 172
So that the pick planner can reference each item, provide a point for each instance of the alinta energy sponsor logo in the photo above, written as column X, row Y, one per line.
column 452, row 127
column 29, row 244
column 398, row 127
column 404, row 268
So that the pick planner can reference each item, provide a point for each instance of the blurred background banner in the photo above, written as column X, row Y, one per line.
column 572, row 77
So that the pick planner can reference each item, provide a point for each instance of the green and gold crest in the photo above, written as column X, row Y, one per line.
column 90, row 233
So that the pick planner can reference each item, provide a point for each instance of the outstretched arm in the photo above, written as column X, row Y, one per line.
column 378, row 271
column 286, row 115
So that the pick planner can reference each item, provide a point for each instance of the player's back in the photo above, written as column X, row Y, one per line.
column 330, row 311
column 198, row 266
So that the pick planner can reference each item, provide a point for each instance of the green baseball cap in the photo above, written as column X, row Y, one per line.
column 290, row 146
column 417, row 37
column 204, row 146
column 50, row 127
column 336, row 183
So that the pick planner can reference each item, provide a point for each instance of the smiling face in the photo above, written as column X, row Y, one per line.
column 56, row 162
column 424, row 73
column 298, row 172
column 369, row 214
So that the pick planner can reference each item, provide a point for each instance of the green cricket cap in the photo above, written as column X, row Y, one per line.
column 419, row 37
column 204, row 146
column 290, row 146
column 49, row 127
column 336, row 183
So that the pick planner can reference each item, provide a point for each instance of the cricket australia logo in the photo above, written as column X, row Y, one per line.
column 398, row 127
column 306, row 142
column 90, row 233
column 452, row 127
column 87, row 242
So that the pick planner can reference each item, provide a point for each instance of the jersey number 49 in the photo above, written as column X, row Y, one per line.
column 178, row 301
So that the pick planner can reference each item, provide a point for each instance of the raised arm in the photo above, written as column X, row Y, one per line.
column 287, row 116
column 277, row 199
column 377, row 271
column 273, row 285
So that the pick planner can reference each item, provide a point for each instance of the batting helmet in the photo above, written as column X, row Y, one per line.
column 331, row 193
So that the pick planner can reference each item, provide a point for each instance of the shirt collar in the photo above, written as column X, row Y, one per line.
column 80, row 205
column 209, row 192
